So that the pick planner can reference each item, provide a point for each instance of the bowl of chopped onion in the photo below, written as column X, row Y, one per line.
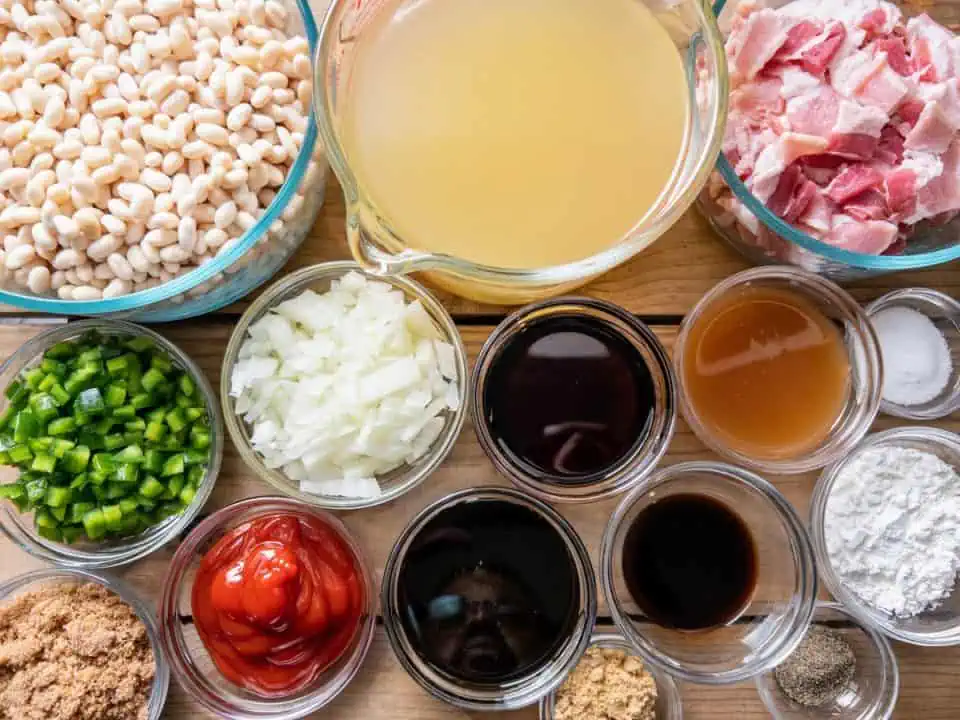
column 344, row 389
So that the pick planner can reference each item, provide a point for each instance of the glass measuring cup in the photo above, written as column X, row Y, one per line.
column 693, row 29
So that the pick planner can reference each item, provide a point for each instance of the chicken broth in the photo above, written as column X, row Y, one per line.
column 515, row 133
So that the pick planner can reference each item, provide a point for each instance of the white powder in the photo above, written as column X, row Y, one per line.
column 892, row 529
column 916, row 358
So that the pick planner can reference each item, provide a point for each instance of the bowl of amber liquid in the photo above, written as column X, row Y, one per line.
column 450, row 125
column 709, row 573
column 779, row 370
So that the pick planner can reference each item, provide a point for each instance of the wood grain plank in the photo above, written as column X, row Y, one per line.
column 931, row 678
column 666, row 279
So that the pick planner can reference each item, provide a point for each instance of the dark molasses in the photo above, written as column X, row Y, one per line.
column 689, row 562
column 487, row 591
column 568, row 397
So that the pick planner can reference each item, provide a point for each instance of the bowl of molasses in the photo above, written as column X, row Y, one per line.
column 574, row 399
column 709, row 573
column 489, row 599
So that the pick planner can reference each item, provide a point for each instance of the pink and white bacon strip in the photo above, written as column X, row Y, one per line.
column 844, row 119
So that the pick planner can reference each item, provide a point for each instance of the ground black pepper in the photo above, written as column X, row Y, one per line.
column 818, row 670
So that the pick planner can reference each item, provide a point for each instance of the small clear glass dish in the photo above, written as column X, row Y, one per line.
column 944, row 312
column 523, row 689
column 862, row 400
column 871, row 693
column 36, row 579
column 192, row 665
column 649, row 448
column 395, row 483
column 938, row 627
column 772, row 623
column 669, row 705
column 19, row 527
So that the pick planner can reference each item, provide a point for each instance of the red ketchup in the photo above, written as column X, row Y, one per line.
column 276, row 601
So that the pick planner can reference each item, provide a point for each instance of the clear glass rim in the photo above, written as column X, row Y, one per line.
column 642, row 459
column 188, row 281
column 194, row 681
column 633, row 242
column 161, row 677
column 886, row 700
column 869, row 363
column 803, row 598
column 532, row 686
column 884, row 263
column 267, row 299
column 950, row 308
column 818, row 506
column 666, row 686
column 124, row 551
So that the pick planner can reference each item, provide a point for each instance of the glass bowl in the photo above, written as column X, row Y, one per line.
column 19, row 527
column 398, row 481
column 863, row 350
column 238, row 267
column 764, row 238
column 34, row 580
column 935, row 628
column 669, row 705
column 536, row 682
column 644, row 456
column 944, row 311
column 193, row 667
column 873, row 690
column 694, row 31
column 772, row 624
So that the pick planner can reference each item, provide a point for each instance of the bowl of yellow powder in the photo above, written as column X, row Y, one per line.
column 612, row 683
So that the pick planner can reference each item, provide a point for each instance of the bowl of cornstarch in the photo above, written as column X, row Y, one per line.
column 919, row 334
column 885, row 527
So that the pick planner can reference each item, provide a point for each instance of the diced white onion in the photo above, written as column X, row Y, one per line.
column 340, row 388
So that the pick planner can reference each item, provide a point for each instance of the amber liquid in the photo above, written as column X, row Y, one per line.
column 767, row 372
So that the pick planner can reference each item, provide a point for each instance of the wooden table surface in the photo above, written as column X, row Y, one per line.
column 660, row 286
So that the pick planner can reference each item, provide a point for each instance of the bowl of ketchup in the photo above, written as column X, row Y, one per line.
column 267, row 609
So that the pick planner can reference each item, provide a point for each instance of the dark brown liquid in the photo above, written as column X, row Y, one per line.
column 568, row 398
column 487, row 591
column 689, row 562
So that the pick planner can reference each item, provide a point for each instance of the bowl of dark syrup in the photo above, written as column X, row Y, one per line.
column 489, row 599
column 709, row 573
column 574, row 399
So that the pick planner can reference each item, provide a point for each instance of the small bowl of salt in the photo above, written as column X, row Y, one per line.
column 919, row 334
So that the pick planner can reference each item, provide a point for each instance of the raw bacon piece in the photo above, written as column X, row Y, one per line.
column 853, row 181
column 755, row 44
column 884, row 89
column 793, row 195
column 816, row 56
column 890, row 147
column 871, row 237
column 929, row 44
column 901, row 189
column 933, row 131
column 855, row 146
column 868, row 205
column 896, row 50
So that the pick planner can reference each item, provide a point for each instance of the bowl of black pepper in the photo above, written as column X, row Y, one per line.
column 841, row 669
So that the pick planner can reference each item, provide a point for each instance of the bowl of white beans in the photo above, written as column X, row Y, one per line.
column 158, row 158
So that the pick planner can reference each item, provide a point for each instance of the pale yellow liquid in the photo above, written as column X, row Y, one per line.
column 515, row 133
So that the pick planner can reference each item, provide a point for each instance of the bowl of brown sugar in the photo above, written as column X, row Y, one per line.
column 78, row 644
column 612, row 683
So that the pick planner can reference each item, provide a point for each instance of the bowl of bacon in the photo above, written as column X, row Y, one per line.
column 842, row 147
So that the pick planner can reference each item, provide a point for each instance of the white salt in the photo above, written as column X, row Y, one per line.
column 916, row 358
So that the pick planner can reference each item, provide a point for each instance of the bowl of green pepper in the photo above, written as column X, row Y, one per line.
column 112, row 440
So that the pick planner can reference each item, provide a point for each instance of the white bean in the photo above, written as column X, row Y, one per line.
column 101, row 249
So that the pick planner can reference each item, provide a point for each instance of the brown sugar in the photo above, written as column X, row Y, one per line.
column 73, row 652
column 607, row 684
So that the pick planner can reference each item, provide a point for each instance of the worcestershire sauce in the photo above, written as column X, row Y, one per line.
column 487, row 591
column 568, row 398
column 689, row 562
